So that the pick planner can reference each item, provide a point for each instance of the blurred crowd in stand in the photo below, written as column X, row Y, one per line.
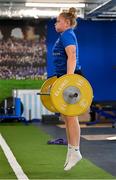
column 22, row 59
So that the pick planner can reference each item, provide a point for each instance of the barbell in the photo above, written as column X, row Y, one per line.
column 71, row 94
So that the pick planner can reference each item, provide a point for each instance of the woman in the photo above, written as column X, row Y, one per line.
column 65, row 55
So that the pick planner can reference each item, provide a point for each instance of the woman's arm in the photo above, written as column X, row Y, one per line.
column 71, row 60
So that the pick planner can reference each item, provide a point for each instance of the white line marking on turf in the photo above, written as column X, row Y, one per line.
column 12, row 160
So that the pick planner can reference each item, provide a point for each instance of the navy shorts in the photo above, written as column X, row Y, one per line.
column 76, row 72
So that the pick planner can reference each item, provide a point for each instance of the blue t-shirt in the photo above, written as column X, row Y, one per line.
column 65, row 39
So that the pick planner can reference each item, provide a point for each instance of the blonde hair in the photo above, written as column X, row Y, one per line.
column 71, row 15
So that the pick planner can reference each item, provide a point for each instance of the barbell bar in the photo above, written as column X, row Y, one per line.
column 42, row 94
column 48, row 94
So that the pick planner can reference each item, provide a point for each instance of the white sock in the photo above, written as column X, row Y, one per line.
column 75, row 148
column 69, row 146
column 74, row 158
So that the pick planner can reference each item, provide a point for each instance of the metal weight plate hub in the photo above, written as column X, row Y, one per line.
column 71, row 94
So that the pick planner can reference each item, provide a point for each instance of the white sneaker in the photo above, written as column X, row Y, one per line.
column 74, row 158
column 67, row 157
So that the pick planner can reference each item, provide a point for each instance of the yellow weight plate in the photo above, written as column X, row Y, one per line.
column 71, row 94
column 45, row 89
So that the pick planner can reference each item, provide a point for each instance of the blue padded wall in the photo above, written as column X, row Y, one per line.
column 97, row 52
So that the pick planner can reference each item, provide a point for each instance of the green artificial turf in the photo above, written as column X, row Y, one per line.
column 5, row 169
column 6, row 86
column 40, row 160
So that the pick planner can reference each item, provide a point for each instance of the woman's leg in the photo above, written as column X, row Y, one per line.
column 73, row 137
column 72, row 130
column 67, row 130
column 68, row 140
